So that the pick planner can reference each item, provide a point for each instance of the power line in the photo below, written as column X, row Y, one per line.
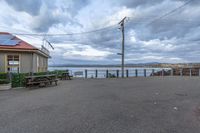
column 67, row 34
column 171, row 12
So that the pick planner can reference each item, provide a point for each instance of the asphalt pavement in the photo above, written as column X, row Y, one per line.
column 132, row 105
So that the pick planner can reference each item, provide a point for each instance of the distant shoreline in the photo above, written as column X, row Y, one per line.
column 142, row 65
column 101, row 66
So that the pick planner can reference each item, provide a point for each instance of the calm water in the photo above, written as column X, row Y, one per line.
column 101, row 73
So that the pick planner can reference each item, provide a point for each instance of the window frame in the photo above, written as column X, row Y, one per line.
column 13, row 57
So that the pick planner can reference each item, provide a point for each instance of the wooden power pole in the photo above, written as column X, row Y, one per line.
column 123, row 38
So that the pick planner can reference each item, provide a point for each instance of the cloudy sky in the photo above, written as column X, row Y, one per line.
column 173, row 38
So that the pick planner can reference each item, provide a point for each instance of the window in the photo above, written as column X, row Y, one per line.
column 13, row 63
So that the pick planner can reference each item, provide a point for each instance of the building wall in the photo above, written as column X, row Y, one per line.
column 2, row 62
column 29, row 62
column 40, row 63
column 25, row 62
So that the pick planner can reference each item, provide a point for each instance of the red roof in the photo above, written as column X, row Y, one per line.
column 22, row 45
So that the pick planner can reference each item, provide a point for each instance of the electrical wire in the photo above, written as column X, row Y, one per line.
column 171, row 12
column 67, row 34
column 102, row 29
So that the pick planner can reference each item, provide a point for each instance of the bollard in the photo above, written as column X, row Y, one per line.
column 199, row 72
column 96, row 73
column 117, row 73
column 106, row 73
column 162, row 72
column 136, row 72
column 190, row 72
column 181, row 72
column 172, row 72
column 152, row 72
column 85, row 73
column 145, row 73
column 127, row 73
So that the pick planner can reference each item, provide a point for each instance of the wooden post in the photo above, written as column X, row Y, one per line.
column 85, row 73
column 117, row 73
column 127, row 73
column 145, row 73
column 136, row 72
column 96, row 73
column 106, row 73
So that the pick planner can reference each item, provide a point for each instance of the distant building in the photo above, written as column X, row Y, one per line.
column 17, row 55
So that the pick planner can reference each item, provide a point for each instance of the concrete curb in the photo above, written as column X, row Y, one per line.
column 4, row 87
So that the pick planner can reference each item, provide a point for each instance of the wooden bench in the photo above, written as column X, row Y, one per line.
column 40, row 80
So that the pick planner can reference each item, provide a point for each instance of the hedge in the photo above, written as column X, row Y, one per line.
column 4, row 81
column 4, row 78
column 18, row 79
column 3, row 75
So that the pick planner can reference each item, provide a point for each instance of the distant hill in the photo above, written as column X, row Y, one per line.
column 149, row 64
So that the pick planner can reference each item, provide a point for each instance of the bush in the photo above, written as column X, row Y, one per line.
column 4, row 81
column 18, row 79
column 111, row 75
column 40, row 73
column 58, row 72
column 3, row 75
column 4, row 78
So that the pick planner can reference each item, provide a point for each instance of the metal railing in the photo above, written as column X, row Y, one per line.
column 133, row 72
column 108, row 73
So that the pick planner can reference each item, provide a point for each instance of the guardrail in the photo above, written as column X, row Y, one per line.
column 108, row 73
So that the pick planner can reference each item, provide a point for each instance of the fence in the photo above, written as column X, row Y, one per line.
column 18, row 79
column 118, row 73
column 88, row 73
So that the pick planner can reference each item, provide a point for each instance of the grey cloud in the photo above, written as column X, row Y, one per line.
column 182, row 25
column 30, row 6
column 135, row 3
column 44, row 19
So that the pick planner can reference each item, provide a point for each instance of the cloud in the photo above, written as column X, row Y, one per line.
column 80, row 52
column 174, row 38
column 30, row 6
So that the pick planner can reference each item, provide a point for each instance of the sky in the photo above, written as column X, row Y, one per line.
column 173, row 38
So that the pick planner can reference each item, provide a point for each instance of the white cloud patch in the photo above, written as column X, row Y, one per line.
column 157, row 44
column 81, row 52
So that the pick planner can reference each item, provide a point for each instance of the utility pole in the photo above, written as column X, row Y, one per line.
column 123, row 38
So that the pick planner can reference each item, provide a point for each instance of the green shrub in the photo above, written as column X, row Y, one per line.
column 111, row 75
column 3, row 75
column 18, row 79
column 57, row 72
column 4, row 81
column 39, row 73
